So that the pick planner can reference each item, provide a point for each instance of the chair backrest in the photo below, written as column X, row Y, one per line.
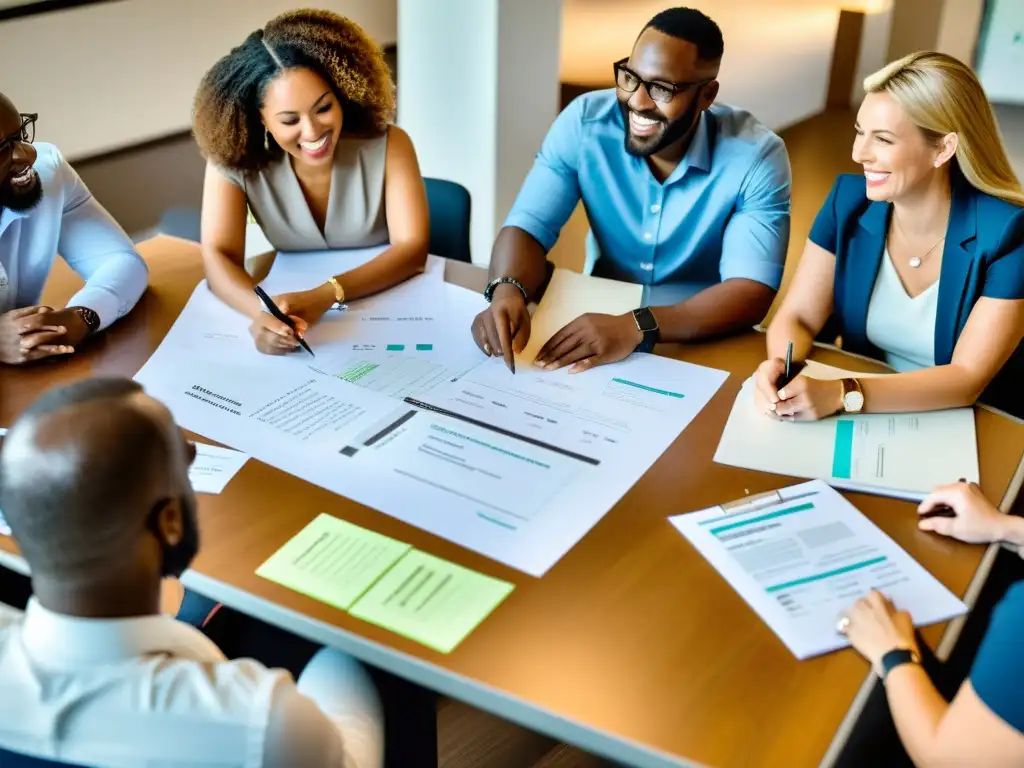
column 450, row 208
column 17, row 760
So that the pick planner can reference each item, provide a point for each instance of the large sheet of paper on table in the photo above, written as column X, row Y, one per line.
column 895, row 454
column 804, row 555
column 517, row 467
column 569, row 295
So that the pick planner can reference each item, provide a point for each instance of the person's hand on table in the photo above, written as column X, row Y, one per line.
column 503, row 329
column 273, row 337
column 977, row 520
column 33, row 333
column 874, row 627
column 590, row 340
column 766, row 391
column 807, row 399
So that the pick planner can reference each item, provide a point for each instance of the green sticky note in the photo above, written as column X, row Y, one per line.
column 431, row 600
column 333, row 561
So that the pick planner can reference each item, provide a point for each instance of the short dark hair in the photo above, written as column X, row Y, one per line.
column 691, row 25
column 226, row 113
column 77, row 470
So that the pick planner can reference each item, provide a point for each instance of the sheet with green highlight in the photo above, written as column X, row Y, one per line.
column 333, row 561
column 385, row 582
column 430, row 600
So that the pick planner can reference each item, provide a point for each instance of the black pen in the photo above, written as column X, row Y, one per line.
column 272, row 308
column 789, row 359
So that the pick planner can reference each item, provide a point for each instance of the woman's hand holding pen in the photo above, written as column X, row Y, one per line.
column 273, row 337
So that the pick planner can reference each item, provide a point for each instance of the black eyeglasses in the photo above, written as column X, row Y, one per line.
column 25, row 134
column 661, row 92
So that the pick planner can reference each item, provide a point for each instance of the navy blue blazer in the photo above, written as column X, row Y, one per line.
column 983, row 256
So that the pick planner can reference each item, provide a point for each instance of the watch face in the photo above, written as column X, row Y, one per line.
column 645, row 320
column 853, row 401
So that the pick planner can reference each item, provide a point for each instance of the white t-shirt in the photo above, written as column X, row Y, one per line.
column 153, row 691
column 901, row 326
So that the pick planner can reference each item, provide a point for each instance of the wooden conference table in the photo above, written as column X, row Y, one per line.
column 631, row 646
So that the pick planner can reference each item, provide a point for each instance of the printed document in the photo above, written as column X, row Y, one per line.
column 905, row 455
column 803, row 555
column 214, row 467
column 516, row 467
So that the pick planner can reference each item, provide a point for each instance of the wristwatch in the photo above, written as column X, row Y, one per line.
column 89, row 317
column 647, row 324
column 895, row 658
column 504, row 280
column 853, row 396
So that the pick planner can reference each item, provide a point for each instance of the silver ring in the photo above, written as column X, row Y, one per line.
column 842, row 625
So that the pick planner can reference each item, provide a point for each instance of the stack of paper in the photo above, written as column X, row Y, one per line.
column 905, row 455
column 803, row 555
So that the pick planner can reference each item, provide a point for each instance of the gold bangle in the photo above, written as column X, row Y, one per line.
column 339, row 292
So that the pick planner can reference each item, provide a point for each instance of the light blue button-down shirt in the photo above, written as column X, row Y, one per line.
column 68, row 220
column 723, row 212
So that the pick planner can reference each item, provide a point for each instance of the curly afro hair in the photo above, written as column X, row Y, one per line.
column 226, row 119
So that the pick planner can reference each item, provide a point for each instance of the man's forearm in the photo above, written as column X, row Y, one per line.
column 516, row 254
column 731, row 306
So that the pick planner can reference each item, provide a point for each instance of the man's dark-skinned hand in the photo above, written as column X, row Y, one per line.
column 591, row 340
column 503, row 328
column 33, row 333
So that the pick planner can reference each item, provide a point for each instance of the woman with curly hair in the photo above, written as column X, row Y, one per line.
column 294, row 124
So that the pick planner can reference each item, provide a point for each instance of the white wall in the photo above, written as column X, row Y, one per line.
column 874, row 50
column 1001, row 56
column 478, row 91
column 778, row 53
column 959, row 27
column 115, row 74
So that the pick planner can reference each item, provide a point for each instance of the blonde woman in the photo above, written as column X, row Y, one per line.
column 920, row 259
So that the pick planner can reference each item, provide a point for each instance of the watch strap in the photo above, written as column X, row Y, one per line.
column 89, row 317
column 896, row 658
column 651, row 336
column 504, row 280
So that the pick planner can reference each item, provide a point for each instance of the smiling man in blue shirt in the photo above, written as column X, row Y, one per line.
column 45, row 209
column 688, row 199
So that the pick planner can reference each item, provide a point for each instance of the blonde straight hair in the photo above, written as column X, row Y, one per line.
column 942, row 95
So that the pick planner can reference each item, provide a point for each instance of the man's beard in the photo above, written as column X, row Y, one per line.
column 178, row 557
column 672, row 132
column 21, row 198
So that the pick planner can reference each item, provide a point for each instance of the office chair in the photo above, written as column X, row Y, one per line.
column 10, row 759
column 450, row 206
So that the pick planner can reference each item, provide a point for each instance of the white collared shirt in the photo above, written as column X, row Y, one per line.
column 153, row 691
column 68, row 220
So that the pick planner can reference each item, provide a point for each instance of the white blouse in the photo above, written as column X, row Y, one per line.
column 901, row 326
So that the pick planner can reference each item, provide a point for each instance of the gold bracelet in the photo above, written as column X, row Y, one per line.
column 339, row 292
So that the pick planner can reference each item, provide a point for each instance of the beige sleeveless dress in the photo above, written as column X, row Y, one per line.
column 355, row 209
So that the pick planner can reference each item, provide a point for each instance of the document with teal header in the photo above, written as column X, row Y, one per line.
column 895, row 454
column 802, row 555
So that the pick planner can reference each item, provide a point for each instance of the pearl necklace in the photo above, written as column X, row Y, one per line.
column 916, row 261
